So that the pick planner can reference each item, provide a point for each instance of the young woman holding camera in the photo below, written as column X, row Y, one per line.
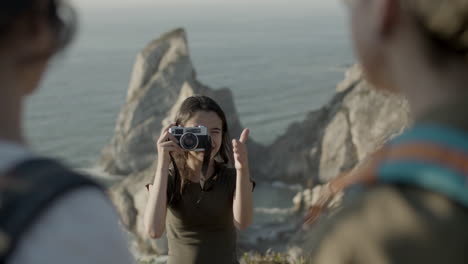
column 200, row 213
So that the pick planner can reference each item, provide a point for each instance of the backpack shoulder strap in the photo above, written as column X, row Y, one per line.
column 429, row 157
column 26, row 192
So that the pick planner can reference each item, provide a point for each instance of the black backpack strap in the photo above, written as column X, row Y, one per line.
column 26, row 192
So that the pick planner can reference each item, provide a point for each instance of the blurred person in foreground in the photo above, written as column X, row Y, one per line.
column 48, row 214
column 415, row 207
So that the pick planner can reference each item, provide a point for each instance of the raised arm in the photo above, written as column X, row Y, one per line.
column 243, row 204
column 155, row 211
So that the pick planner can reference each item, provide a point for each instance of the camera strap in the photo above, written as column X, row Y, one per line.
column 176, row 194
column 206, row 162
column 204, row 169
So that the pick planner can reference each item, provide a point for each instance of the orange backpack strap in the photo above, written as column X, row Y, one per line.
column 430, row 157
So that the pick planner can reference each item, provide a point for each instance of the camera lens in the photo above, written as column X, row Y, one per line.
column 189, row 141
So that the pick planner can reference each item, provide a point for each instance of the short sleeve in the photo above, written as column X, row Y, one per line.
column 254, row 184
column 232, row 176
column 170, row 186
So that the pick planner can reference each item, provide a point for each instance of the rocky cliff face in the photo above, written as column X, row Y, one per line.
column 359, row 120
column 163, row 76
column 330, row 140
column 362, row 119
column 339, row 135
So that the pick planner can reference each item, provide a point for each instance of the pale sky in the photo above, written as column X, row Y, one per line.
column 130, row 3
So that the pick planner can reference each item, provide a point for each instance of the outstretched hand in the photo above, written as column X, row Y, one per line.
column 241, row 160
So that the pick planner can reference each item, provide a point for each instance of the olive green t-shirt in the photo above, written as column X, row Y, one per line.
column 200, row 224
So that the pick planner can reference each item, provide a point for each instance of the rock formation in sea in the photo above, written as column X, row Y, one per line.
column 355, row 123
column 330, row 140
column 339, row 135
column 163, row 76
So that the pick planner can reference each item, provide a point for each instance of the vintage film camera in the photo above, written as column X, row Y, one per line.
column 191, row 138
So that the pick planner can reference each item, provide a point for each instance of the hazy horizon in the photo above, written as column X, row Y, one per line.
column 316, row 4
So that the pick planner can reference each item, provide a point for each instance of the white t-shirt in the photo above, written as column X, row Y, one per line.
column 79, row 228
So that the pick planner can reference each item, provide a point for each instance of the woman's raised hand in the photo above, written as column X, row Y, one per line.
column 241, row 160
column 167, row 144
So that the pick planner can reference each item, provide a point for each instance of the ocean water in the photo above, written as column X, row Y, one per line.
column 280, row 63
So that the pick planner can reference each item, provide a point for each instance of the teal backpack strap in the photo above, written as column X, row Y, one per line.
column 431, row 157
column 26, row 192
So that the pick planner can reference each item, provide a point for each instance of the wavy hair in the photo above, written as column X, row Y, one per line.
column 187, row 110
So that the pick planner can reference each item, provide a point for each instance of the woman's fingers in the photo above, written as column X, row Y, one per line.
column 166, row 128
column 235, row 145
column 238, row 149
column 244, row 136
column 165, row 132
column 165, row 135
column 163, row 138
column 171, row 150
column 173, row 139
column 167, row 143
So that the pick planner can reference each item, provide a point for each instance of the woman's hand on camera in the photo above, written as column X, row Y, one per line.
column 166, row 145
column 241, row 160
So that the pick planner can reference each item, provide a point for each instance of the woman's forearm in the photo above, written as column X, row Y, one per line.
column 243, row 204
column 155, row 211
